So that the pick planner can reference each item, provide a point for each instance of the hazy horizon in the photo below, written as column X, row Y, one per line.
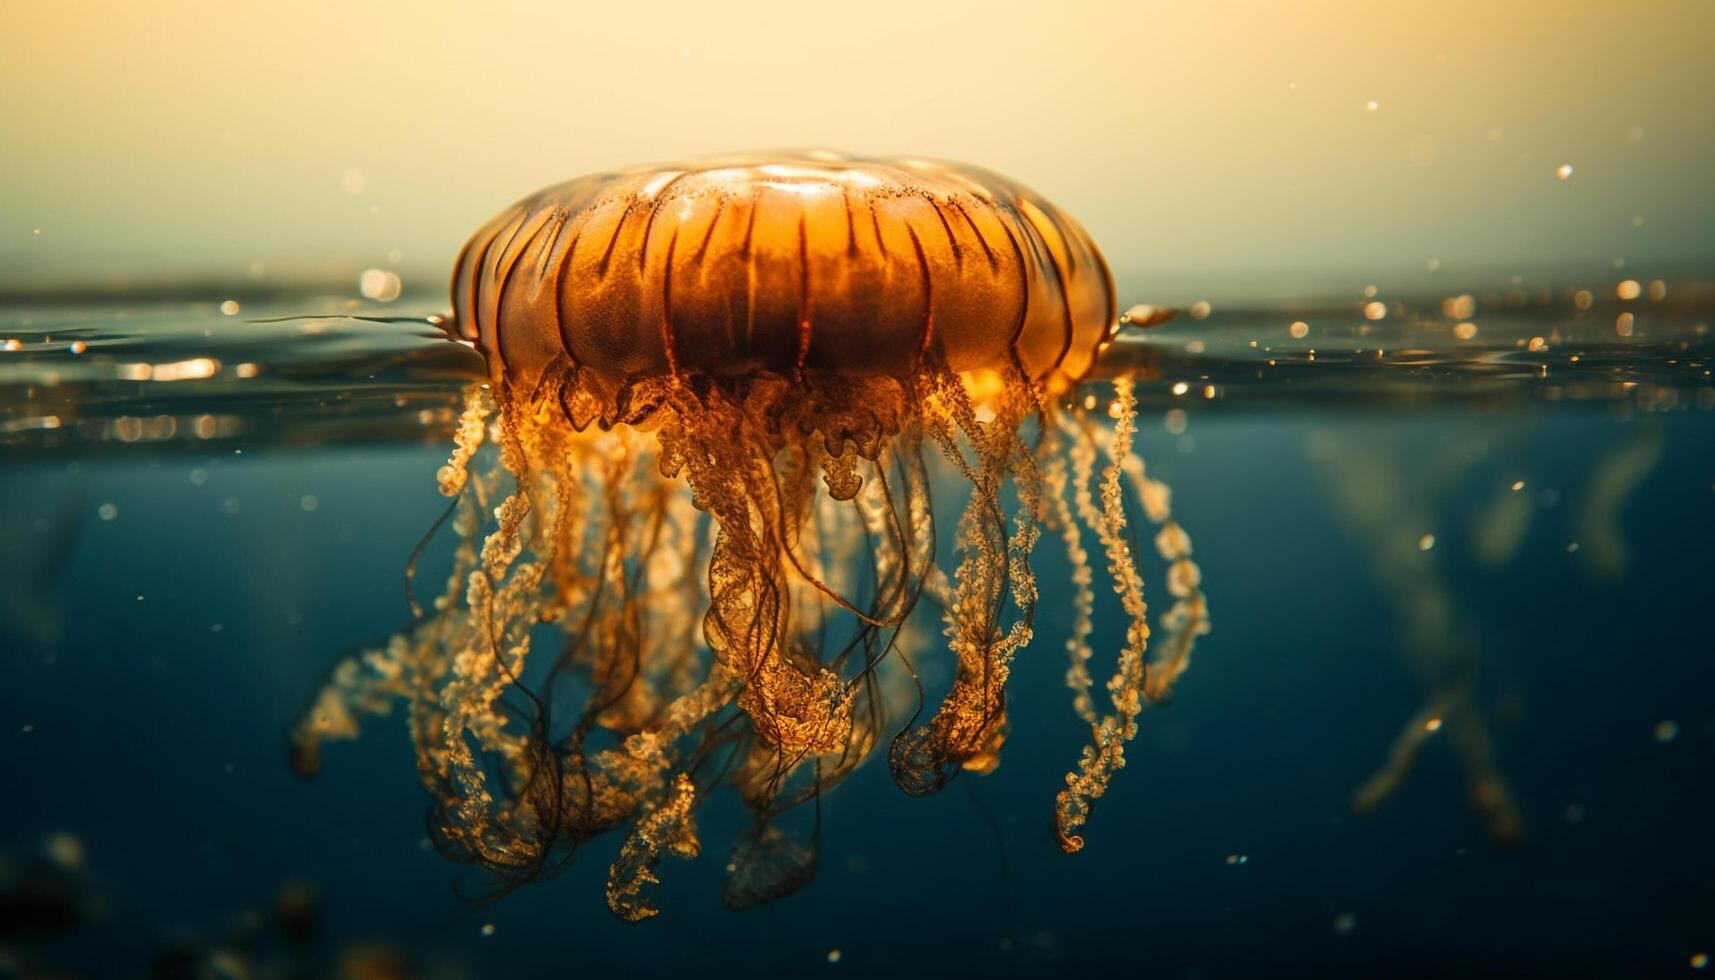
column 1225, row 143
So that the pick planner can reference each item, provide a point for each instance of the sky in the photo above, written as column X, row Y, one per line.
column 1311, row 144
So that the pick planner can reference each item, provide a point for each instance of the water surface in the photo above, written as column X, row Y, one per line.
column 1503, row 531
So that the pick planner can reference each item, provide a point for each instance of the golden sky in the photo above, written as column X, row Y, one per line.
column 1212, row 141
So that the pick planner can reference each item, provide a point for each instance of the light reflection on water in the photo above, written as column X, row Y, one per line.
column 164, row 368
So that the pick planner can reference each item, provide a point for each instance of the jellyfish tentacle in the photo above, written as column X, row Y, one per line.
column 369, row 681
column 968, row 729
column 797, row 705
column 789, row 514
column 667, row 829
column 498, row 595
column 769, row 862
column 1105, row 754
column 1188, row 617
column 905, row 548
column 1060, row 517
column 467, row 439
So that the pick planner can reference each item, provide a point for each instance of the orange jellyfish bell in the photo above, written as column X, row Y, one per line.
column 784, row 264
column 721, row 393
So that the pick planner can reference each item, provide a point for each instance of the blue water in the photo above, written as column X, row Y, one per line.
column 172, row 602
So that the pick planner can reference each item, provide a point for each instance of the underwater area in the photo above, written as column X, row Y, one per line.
column 1452, row 714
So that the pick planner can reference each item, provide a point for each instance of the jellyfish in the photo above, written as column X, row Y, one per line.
column 1385, row 496
column 723, row 398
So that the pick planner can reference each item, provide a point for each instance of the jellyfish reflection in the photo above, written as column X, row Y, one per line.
column 722, row 397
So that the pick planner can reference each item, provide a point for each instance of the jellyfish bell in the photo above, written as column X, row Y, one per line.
column 721, row 392
column 783, row 265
